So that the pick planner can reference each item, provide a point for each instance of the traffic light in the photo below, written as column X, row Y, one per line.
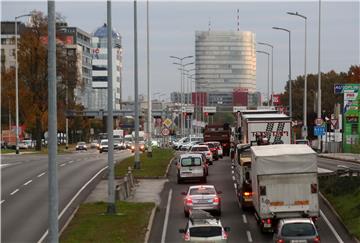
column 206, row 114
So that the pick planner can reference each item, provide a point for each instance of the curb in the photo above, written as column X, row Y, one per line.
column 339, row 158
column 332, row 209
column 150, row 223
column 68, row 221
column 168, row 167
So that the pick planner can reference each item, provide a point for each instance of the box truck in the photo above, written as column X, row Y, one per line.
column 284, row 183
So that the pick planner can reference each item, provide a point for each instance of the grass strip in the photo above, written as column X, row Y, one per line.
column 150, row 167
column 91, row 224
column 344, row 195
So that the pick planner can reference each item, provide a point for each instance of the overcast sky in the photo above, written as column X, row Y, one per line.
column 173, row 26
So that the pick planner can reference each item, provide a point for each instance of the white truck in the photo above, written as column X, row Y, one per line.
column 276, row 128
column 284, row 183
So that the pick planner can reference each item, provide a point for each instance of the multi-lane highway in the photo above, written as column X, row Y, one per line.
column 243, row 225
column 24, row 195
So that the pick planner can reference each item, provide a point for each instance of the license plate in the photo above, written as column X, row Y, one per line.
column 298, row 241
column 267, row 225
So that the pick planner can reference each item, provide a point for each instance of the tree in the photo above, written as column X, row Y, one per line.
column 33, row 59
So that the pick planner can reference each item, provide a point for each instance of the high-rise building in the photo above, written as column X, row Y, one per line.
column 224, row 61
column 100, row 69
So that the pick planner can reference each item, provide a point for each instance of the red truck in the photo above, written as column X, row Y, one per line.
column 219, row 133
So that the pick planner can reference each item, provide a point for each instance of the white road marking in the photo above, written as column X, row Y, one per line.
column 322, row 170
column 1, row 202
column 337, row 236
column 233, row 178
column 27, row 183
column 40, row 175
column 14, row 192
column 249, row 236
column 235, row 186
column 232, row 172
column 70, row 162
column 72, row 200
column 62, row 165
column 163, row 235
column 244, row 218
column 4, row 165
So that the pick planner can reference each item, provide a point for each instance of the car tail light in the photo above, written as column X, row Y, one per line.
column 247, row 194
column 208, row 153
column 225, row 234
column 268, row 221
column 187, row 236
column 314, row 188
column 314, row 219
column 317, row 239
column 188, row 201
column 216, row 200
column 280, row 241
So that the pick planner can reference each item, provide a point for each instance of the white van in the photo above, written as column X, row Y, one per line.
column 190, row 166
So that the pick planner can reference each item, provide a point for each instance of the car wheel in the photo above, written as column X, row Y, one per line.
column 179, row 181
column 204, row 179
column 100, row 151
column 218, row 213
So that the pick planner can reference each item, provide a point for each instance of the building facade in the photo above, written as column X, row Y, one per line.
column 224, row 61
column 100, row 69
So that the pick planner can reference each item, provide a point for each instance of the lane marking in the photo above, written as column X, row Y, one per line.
column 163, row 235
column 233, row 178
column 14, row 192
column 235, row 186
column 244, row 218
column 40, row 175
column 323, row 170
column 70, row 162
column 1, row 202
column 232, row 172
column 249, row 236
column 72, row 200
column 27, row 183
column 337, row 236
column 62, row 165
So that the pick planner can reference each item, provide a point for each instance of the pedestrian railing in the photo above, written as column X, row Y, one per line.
column 124, row 189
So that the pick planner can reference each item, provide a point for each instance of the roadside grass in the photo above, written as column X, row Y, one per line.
column 92, row 224
column 344, row 195
column 150, row 167
column 7, row 151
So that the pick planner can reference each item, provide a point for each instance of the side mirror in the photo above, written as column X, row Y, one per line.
column 227, row 229
column 219, row 192
column 183, row 193
column 182, row 231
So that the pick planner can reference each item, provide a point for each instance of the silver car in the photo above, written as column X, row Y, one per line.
column 203, row 227
column 296, row 230
column 203, row 197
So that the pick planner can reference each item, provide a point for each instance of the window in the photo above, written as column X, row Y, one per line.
column 297, row 229
column 98, row 67
column 191, row 161
column 100, row 78
column 199, row 149
column 206, row 231
column 203, row 191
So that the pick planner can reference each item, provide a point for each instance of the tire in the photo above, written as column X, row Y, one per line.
column 204, row 180
column 179, row 180
column 100, row 151
column 218, row 213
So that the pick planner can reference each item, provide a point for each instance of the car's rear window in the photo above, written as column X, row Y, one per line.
column 297, row 229
column 191, row 161
column 205, row 231
column 199, row 149
column 81, row 143
column 202, row 191
column 104, row 143
column 210, row 145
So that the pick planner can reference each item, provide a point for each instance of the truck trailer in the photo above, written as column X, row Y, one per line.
column 284, row 183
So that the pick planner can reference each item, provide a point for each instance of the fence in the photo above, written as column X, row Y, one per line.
column 124, row 189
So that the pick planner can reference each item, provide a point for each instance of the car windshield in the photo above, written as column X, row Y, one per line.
column 202, row 191
column 210, row 145
column 205, row 231
column 191, row 161
column 117, row 140
column 81, row 143
column 199, row 149
column 104, row 143
column 297, row 229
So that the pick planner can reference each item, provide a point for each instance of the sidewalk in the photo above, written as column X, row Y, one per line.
column 146, row 190
column 342, row 156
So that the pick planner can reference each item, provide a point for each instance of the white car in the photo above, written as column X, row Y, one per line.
column 190, row 166
column 23, row 145
column 204, row 149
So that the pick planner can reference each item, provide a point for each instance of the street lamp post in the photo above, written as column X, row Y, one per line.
column 319, row 76
column 290, row 83
column 17, row 83
column 149, row 122
column 182, row 87
column 272, row 69
column 304, row 128
column 268, row 79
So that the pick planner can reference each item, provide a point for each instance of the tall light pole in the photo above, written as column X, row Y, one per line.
column 304, row 128
column 290, row 83
column 272, row 69
column 319, row 75
column 149, row 122
column 182, row 87
column 17, row 83
column 268, row 79
column 136, row 95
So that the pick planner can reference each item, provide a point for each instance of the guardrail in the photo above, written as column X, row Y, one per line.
column 124, row 189
column 342, row 171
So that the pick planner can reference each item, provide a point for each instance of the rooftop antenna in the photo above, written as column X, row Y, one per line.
column 238, row 24
column 209, row 24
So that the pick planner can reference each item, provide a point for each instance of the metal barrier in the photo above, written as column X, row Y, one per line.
column 124, row 189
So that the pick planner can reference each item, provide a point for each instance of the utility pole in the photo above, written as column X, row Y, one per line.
column 149, row 123
column 52, row 127
column 319, row 76
column 136, row 101
column 111, row 209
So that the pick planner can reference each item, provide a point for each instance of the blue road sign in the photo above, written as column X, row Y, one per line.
column 319, row 130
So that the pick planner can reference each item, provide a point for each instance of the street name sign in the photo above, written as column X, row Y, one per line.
column 319, row 130
column 209, row 109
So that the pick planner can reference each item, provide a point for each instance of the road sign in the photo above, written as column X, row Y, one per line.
column 209, row 109
column 319, row 130
column 343, row 88
column 239, row 108
column 165, row 131
column 189, row 109
column 319, row 121
column 167, row 122
column 334, row 123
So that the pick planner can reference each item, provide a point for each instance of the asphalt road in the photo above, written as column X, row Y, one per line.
column 332, row 164
column 24, row 194
column 243, row 225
